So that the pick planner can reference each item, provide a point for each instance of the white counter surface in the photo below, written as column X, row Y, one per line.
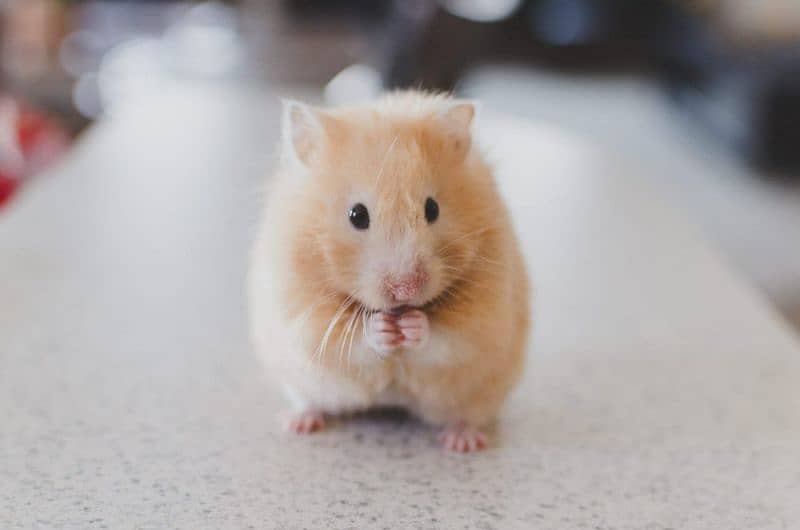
column 661, row 391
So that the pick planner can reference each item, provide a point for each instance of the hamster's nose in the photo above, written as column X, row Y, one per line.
column 404, row 287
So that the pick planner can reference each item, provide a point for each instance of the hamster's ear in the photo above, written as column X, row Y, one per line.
column 303, row 131
column 457, row 121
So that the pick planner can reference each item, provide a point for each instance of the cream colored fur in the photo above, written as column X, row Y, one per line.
column 315, row 282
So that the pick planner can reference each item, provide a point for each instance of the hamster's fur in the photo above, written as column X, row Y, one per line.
column 422, row 311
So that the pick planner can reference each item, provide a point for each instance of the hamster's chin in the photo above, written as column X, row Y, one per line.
column 394, row 307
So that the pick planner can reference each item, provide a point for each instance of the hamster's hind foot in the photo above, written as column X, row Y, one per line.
column 306, row 422
column 462, row 438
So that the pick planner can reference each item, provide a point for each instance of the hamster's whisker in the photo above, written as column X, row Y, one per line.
column 323, row 345
column 477, row 264
column 458, row 295
column 359, row 311
column 471, row 282
column 462, row 237
column 363, row 313
column 347, row 330
column 445, row 295
column 303, row 317
column 489, row 261
column 449, row 296
column 364, row 330
column 351, row 327
column 385, row 158
column 467, row 277
column 457, row 291
column 344, row 332
column 470, row 258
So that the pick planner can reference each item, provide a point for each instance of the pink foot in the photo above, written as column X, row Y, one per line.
column 463, row 439
column 306, row 422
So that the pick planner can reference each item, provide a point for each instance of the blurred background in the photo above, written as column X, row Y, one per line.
column 703, row 96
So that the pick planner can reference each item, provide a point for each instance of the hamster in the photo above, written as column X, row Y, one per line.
column 386, row 271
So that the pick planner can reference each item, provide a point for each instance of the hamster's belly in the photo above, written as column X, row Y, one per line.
column 392, row 396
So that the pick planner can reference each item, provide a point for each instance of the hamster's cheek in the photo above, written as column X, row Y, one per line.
column 351, row 274
column 436, row 278
column 341, row 252
column 368, row 290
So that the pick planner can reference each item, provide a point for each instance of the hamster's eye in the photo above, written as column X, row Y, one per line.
column 359, row 216
column 431, row 210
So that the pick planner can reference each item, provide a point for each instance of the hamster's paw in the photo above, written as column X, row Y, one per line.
column 306, row 422
column 462, row 438
column 383, row 333
column 414, row 328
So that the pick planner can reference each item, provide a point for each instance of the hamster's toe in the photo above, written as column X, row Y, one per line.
column 462, row 438
column 306, row 422
column 414, row 328
column 383, row 335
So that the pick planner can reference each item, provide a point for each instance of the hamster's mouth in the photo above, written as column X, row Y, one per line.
column 428, row 305
column 397, row 310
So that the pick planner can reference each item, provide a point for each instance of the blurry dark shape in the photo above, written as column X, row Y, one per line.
column 369, row 9
column 753, row 104
column 569, row 22
column 779, row 138
column 433, row 45
column 743, row 90
column 429, row 46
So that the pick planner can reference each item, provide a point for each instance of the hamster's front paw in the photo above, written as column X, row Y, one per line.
column 383, row 333
column 414, row 328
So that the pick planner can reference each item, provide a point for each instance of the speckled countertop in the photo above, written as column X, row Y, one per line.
column 661, row 393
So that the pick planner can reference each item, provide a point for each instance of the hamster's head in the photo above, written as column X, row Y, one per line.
column 391, row 205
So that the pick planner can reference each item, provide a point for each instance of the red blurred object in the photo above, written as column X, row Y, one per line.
column 30, row 141
column 8, row 185
column 30, row 129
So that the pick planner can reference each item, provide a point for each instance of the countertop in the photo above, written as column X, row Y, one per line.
column 661, row 390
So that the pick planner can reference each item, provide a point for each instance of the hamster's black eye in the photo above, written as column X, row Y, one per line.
column 359, row 216
column 431, row 210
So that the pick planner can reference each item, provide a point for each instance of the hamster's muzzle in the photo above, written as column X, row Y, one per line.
column 405, row 287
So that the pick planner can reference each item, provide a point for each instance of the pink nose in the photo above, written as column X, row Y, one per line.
column 405, row 287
